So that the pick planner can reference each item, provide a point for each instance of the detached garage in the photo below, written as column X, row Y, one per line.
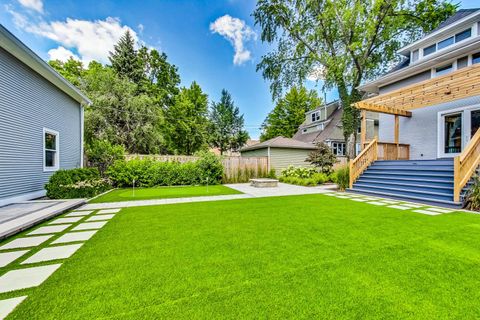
column 281, row 152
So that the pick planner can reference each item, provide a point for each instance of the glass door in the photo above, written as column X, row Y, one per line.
column 452, row 133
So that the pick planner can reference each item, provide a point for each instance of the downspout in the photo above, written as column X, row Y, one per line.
column 82, row 112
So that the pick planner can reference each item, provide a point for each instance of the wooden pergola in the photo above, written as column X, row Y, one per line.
column 456, row 85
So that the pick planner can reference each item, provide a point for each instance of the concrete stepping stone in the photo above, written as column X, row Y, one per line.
column 412, row 205
column 330, row 194
column 430, row 213
column 100, row 217
column 53, row 253
column 360, row 199
column 391, row 201
column 26, row 278
column 50, row 229
column 75, row 236
column 25, row 242
column 79, row 213
column 441, row 210
column 66, row 220
column 377, row 203
column 400, row 207
column 343, row 197
column 8, row 257
column 90, row 225
column 104, row 211
column 8, row 305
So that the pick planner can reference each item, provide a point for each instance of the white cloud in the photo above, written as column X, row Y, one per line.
column 62, row 54
column 237, row 32
column 19, row 19
column 36, row 5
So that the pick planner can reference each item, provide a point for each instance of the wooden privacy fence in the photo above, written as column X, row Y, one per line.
column 235, row 169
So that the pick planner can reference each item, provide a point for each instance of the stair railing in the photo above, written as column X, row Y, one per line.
column 363, row 160
column 465, row 165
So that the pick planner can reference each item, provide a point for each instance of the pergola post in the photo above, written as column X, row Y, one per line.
column 397, row 133
column 363, row 130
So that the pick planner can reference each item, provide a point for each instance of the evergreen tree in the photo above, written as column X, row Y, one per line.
column 187, row 121
column 227, row 132
column 289, row 113
column 124, row 59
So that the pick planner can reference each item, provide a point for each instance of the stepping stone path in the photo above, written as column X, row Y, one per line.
column 50, row 229
column 53, row 253
column 34, row 276
column 104, row 211
column 79, row 213
column 26, row 278
column 7, row 257
column 100, row 217
column 90, row 225
column 8, row 305
column 66, row 220
column 25, row 242
column 75, row 236
column 400, row 207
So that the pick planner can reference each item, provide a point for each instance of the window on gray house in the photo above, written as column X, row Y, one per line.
column 430, row 49
column 415, row 55
column 445, row 43
column 463, row 35
column 462, row 62
column 443, row 70
column 50, row 145
column 338, row 148
column 476, row 58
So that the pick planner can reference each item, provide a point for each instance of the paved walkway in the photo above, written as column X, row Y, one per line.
column 247, row 190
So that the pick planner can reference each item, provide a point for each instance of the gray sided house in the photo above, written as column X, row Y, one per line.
column 324, row 124
column 41, row 122
column 281, row 152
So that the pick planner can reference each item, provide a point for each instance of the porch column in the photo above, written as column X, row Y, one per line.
column 363, row 130
column 397, row 134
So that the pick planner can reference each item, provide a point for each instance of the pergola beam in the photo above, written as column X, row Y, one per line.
column 362, row 105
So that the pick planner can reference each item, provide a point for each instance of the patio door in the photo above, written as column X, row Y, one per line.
column 456, row 128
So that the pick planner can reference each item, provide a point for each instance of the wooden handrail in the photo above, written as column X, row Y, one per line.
column 465, row 165
column 363, row 160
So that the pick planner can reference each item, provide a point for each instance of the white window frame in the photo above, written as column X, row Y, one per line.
column 57, row 150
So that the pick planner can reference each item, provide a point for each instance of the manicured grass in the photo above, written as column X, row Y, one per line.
column 163, row 193
column 281, row 257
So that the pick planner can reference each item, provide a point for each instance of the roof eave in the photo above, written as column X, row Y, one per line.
column 15, row 47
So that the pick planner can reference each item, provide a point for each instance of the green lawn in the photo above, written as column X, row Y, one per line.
column 281, row 257
column 163, row 192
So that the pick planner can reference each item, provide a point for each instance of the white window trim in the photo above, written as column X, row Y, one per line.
column 57, row 153
column 465, row 112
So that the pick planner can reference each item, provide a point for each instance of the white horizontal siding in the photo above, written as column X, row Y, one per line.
column 28, row 103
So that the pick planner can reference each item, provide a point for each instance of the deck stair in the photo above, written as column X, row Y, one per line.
column 427, row 181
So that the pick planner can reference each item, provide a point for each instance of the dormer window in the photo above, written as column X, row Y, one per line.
column 315, row 116
column 463, row 35
column 430, row 49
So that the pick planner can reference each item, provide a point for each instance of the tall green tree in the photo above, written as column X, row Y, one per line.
column 289, row 113
column 227, row 125
column 350, row 41
column 119, row 114
column 72, row 70
column 187, row 121
column 124, row 59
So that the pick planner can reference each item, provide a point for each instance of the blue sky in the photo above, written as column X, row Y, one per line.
column 217, row 53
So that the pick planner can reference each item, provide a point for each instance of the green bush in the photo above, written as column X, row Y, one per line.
column 76, row 183
column 298, row 172
column 472, row 198
column 320, row 178
column 150, row 173
column 322, row 158
column 342, row 177
column 102, row 154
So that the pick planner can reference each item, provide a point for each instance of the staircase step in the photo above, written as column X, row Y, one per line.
column 407, row 180
column 448, row 195
column 414, row 175
column 420, row 199
column 447, row 189
column 425, row 169
column 415, row 162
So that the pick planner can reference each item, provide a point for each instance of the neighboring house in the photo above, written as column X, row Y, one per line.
column 324, row 124
column 41, row 122
column 429, row 109
column 281, row 152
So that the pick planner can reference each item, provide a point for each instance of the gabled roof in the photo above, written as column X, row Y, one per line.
column 19, row 50
column 332, row 130
column 460, row 14
column 280, row 142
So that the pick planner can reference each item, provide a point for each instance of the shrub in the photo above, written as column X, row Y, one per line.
column 298, row 172
column 342, row 177
column 102, row 154
column 320, row 178
column 150, row 173
column 76, row 183
column 472, row 198
column 322, row 158
column 244, row 174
